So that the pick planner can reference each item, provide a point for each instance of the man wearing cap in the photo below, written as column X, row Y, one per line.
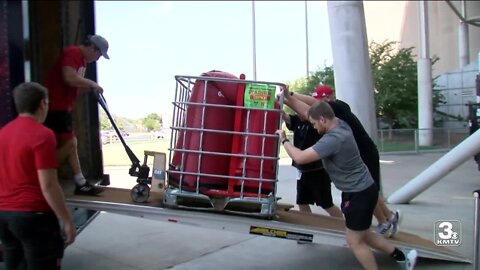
column 388, row 220
column 341, row 158
column 65, row 82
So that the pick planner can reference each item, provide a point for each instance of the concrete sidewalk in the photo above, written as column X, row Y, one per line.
column 122, row 242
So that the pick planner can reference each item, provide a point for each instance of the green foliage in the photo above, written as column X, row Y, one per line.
column 105, row 123
column 153, row 121
column 394, row 74
column 322, row 76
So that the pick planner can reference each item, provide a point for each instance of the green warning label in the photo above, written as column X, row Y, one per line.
column 261, row 96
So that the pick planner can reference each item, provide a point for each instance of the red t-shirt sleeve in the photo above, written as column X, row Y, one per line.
column 44, row 152
column 72, row 58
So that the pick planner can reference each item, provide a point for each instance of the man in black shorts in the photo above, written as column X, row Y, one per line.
column 388, row 221
column 313, row 183
column 65, row 81
column 340, row 155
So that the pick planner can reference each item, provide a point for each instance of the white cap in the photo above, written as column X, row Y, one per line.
column 100, row 43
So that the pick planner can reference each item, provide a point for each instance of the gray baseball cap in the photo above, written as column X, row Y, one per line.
column 100, row 43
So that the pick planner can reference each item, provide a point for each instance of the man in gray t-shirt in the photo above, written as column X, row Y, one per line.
column 339, row 152
column 341, row 159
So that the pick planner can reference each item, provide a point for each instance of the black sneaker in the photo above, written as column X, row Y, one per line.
column 88, row 189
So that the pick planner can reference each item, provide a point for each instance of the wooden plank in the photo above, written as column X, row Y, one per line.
column 284, row 214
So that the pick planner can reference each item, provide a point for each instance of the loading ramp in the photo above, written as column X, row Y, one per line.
column 287, row 224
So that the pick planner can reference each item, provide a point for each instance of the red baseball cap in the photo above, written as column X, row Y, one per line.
column 322, row 91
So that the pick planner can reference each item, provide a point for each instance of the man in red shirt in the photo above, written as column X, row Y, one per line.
column 31, row 199
column 65, row 82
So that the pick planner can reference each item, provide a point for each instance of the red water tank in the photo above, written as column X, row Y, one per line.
column 214, row 118
column 261, row 122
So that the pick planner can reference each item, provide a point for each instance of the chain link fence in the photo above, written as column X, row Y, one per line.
column 406, row 140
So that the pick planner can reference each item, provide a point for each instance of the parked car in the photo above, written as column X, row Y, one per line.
column 107, row 136
column 161, row 134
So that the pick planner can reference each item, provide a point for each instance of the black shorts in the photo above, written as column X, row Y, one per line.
column 315, row 188
column 31, row 236
column 372, row 160
column 61, row 123
column 357, row 207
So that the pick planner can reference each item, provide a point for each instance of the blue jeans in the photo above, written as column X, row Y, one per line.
column 31, row 240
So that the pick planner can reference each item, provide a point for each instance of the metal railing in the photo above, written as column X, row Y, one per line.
column 407, row 140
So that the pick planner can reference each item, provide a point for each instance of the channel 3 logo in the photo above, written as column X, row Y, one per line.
column 448, row 233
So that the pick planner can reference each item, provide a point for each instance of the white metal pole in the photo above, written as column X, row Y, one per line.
column 424, row 64
column 353, row 73
column 254, row 43
column 463, row 44
column 476, row 236
column 440, row 168
column 306, row 38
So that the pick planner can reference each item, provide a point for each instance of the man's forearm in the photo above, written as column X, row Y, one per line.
column 54, row 197
column 301, row 108
column 82, row 84
column 53, row 194
column 292, row 151
column 309, row 100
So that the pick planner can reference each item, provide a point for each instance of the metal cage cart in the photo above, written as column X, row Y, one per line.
column 224, row 152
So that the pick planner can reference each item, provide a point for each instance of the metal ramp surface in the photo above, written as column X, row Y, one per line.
column 291, row 224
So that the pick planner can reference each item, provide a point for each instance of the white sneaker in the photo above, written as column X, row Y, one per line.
column 382, row 229
column 395, row 221
column 410, row 260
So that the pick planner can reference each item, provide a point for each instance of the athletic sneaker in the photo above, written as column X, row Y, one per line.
column 395, row 222
column 382, row 229
column 410, row 260
column 88, row 189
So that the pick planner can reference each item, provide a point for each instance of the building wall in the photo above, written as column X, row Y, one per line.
column 398, row 21
column 384, row 20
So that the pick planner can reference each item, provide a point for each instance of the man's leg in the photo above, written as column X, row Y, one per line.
column 74, row 162
column 379, row 243
column 12, row 248
column 304, row 197
column 361, row 250
column 67, row 150
column 304, row 208
column 41, row 238
column 64, row 149
column 334, row 211
column 321, row 187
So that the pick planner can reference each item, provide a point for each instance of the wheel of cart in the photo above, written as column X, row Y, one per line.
column 155, row 182
column 224, row 152
column 141, row 191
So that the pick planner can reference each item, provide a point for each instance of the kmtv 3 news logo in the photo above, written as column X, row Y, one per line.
column 448, row 233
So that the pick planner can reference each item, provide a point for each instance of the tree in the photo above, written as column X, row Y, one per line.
column 394, row 74
column 322, row 76
column 105, row 123
column 152, row 122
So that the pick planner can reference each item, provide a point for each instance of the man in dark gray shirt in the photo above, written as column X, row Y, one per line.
column 339, row 152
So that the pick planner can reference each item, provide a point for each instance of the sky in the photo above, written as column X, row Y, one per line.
column 152, row 41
